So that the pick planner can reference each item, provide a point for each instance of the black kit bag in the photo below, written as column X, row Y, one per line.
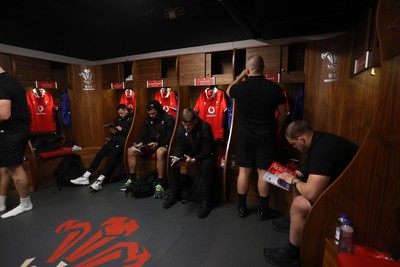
column 143, row 187
column 70, row 167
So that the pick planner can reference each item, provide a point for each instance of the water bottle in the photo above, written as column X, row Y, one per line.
column 339, row 224
column 346, row 237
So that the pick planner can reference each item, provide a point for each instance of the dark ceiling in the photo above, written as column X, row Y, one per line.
column 104, row 29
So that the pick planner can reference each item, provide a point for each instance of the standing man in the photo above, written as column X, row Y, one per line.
column 195, row 146
column 113, row 149
column 327, row 156
column 14, row 136
column 257, row 99
column 156, row 134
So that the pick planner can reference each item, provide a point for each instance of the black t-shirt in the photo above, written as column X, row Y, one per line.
column 329, row 155
column 257, row 100
column 12, row 90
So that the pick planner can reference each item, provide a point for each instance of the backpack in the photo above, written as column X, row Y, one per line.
column 70, row 167
column 143, row 187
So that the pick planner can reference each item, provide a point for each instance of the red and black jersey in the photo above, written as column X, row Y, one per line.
column 41, row 106
column 128, row 99
column 211, row 106
column 168, row 100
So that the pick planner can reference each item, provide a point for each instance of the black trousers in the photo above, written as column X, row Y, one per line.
column 110, row 149
column 203, row 177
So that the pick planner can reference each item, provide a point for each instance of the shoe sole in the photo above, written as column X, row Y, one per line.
column 80, row 183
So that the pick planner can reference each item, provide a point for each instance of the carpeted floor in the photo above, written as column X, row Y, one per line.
column 74, row 227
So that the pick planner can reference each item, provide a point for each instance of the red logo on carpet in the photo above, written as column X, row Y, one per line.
column 99, row 247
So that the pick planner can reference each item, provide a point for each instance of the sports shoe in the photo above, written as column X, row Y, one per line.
column 280, row 256
column 124, row 186
column 170, row 201
column 204, row 210
column 266, row 214
column 96, row 185
column 159, row 190
column 80, row 181
column 282, row 226
column 243, row 211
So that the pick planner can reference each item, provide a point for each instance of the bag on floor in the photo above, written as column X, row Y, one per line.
column 143, row 187
column 70, row 167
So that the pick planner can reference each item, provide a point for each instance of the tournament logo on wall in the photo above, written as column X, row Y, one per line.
column 331, row 57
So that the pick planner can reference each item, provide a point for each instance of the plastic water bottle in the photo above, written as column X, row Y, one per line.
column 346, row 237
column 339, row 224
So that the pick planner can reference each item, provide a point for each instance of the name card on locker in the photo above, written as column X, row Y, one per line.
column 276, row 77
column 118, row 85
column 204, row 81
column 361, row 63
column 155, row 83
column 46, row 84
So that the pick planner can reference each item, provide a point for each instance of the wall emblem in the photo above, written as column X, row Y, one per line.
column 332, row 65
column 87, row 77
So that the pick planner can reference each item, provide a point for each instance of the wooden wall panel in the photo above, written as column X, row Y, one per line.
column 87, row 115
column 367, row 191
column 346, row 106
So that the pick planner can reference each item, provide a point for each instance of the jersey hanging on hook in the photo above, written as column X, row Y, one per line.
column 211, row 106
column 128, row 98
column 42, row 111
column 168, row 99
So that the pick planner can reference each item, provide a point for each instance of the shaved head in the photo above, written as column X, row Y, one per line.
column 255, row 64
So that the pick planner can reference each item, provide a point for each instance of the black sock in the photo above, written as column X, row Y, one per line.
column 158, row 180
column 242, row 200
column 293, row 251
column 264, row 203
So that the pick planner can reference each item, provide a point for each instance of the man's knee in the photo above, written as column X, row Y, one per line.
column 300, row 205
column 161, row 152
column 131, row 153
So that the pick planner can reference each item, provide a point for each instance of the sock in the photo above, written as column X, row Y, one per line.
column 25, row 205
column 264, row 203
column 86, row 175
column 242, row 200
column 101, row 178
column 158, row 180
column 3, row 203
column 132, row 176
column 293, row 251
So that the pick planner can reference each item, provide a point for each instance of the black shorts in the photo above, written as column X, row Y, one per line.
column 256, row 154
column 12, row 147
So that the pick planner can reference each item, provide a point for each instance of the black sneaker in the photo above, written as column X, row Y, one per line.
column 281, row 226
column 243, row 212
column 170, row 201
column 267, row 214
column 204, row 210
column 280, row 257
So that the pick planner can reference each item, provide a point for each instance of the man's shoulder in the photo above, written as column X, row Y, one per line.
column 334, row 141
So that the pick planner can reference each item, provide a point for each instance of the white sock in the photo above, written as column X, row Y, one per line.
column 3, row 203
column 101, row 178
column 25, row 205
column 86, row 175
